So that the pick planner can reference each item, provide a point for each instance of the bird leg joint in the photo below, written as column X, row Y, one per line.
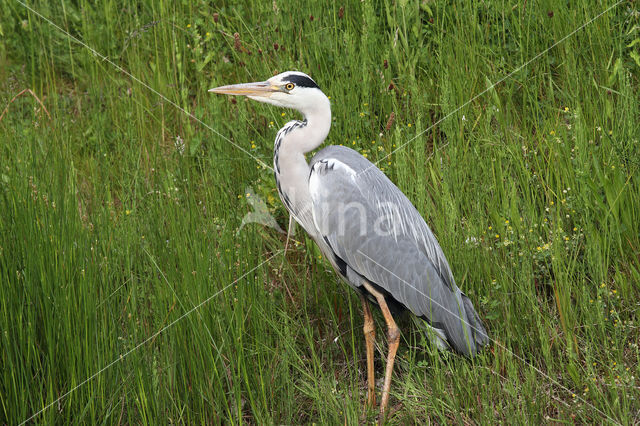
column 394, row 334
column 369, row 327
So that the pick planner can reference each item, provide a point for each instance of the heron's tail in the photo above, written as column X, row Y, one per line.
column 466, row 339
column 437, row 336
column 478, row 332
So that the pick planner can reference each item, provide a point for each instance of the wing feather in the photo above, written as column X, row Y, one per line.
column 372, row 226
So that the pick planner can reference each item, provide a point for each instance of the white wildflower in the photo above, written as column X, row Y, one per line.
column 179, row 144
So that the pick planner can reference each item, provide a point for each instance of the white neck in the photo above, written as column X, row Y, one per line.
column 290, row 166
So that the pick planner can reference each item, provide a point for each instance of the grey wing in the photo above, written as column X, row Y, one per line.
column 370, row 225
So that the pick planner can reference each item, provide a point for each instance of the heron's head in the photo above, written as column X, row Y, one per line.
column 290, row 89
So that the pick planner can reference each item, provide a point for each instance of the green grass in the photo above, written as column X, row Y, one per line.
column 109, row 237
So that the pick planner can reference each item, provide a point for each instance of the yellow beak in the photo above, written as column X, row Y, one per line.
column 262, row 88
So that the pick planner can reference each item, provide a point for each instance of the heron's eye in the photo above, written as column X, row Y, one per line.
column 289, row 86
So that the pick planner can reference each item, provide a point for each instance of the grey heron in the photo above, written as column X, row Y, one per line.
column 369, row 231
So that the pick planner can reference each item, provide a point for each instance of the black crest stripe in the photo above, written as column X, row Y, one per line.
column 300, row 80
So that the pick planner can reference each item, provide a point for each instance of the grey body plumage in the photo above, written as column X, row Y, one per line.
column 404, row 258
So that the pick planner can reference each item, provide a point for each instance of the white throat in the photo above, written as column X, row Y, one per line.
column 291, row 169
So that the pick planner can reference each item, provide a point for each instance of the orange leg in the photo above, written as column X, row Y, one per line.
column 370, row 336
column 394, row 341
